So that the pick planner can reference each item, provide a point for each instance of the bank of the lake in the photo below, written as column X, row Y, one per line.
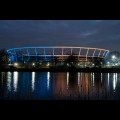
column 98, row 70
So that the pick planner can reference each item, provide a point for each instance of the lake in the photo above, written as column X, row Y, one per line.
column 59, row 86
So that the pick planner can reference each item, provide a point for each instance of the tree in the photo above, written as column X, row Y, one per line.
column 71, row 61
column 113, row 58
column 97, row 62
column 4, row 57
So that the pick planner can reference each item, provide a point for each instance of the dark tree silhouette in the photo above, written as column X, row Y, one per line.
column 71, row 60
column 98, row 62
column 4, row 57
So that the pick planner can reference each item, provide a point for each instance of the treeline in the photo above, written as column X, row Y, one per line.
column 4, row 57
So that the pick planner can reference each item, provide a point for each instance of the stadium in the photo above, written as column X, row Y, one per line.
column 52, row 55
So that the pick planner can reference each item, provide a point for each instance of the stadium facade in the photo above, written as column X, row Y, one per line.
column 53, row 53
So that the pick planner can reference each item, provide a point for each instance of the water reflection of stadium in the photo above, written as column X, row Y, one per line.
column 85, row 85
column 60, row 85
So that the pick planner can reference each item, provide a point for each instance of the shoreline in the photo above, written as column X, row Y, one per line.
column 97, row 70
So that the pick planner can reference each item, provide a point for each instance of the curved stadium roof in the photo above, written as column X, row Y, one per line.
column 57, row 51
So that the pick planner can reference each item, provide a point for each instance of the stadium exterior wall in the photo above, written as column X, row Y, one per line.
column 48, row 53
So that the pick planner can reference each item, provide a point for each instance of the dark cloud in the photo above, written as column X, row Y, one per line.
column 90, row 33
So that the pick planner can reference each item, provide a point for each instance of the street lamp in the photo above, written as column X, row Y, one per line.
column 114, row 60
column 16, row 64
column 113, row 57
column 33, row 64
column 48, row 64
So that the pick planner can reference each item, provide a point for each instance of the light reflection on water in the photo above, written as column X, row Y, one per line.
column 101, row 78
column 60, row 85
column 67, row 80
column 108, row 78
column 114, row 81
column 15, row 80
column 9, row 76
column 78, row 79
column 48, row 80
column 33, row 80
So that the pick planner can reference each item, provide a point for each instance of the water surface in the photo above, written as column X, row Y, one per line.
column 59, row 86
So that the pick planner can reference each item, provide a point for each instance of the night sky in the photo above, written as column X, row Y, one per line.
column 86, row 33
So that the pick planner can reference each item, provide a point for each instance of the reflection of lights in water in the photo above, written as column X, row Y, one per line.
column 92, row 79
column 15, row 80
column 114, row 80
column 9, row 74
column 33, row 80
column 101, row 77
column 67, row 79
column 48, row 80
column 108, row 78
column 78, row 78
